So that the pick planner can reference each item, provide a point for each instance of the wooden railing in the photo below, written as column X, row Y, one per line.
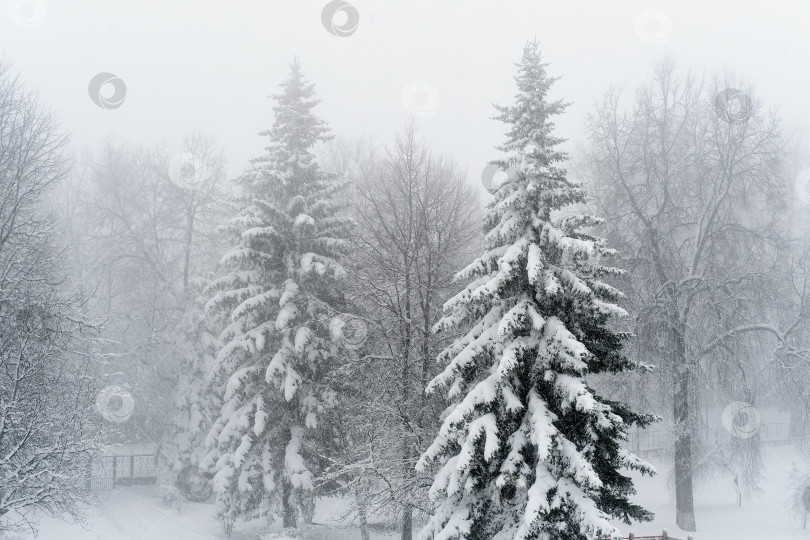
column 664, row 536
column 109, row 471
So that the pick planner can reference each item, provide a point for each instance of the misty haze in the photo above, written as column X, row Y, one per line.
column 450, row 270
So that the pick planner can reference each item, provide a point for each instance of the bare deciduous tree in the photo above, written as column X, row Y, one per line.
column 45, row 392
column 417, row 219
column 143, row 231
column 695, row 197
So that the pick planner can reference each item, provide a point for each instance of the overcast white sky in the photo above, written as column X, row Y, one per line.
column 208, row 65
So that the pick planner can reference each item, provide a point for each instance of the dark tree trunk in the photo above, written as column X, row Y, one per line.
column 289, row 519
column 684, row 500
column 187, row 254
column 407, row 522
column 361, row 513
column 407, row 533
column 308, row 508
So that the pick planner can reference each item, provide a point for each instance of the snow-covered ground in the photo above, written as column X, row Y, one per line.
column 764, row 517
column 138, row 513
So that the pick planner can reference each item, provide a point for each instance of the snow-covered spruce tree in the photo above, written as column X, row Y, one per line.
column 284, row 287
column 529, row 450
column 195, row 404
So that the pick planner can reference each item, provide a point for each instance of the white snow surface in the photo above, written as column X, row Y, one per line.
column 130, row 513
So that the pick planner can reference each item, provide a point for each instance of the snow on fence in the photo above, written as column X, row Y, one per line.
column 664, row 536
column 110, row 471
column 125, row 466
column 661, row 441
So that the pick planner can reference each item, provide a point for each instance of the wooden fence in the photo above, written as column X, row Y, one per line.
column 109, row 471
column 664, row 536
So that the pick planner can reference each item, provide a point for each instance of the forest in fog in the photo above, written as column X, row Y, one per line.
column 349, row 322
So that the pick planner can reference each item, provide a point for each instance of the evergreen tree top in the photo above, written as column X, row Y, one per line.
column 537, row 185
column 530, row 117
column 296, row 129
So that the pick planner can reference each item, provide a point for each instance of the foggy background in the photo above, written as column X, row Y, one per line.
column 139, row 229
column 209, row 66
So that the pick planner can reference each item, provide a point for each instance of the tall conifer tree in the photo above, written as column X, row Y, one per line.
column 529, row 449
column 280, row 295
